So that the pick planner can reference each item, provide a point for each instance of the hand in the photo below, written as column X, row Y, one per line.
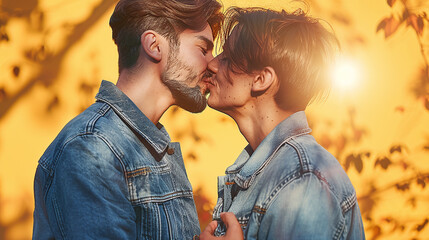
column 233, row 229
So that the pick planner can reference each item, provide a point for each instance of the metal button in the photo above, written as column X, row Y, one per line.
column 170, row 151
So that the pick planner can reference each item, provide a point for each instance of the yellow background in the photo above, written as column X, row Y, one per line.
column 380, row 106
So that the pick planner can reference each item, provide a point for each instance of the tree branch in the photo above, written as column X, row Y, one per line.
column 392, row 185
column 50, row 67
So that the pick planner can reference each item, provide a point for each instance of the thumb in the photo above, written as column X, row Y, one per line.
column 233, row 228
column 229, row 219
column 209, row 230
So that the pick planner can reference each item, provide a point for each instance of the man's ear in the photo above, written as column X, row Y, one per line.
column 151, row 42
column 264, row 80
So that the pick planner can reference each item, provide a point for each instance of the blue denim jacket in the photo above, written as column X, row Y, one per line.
column 290, row 188
column 112, row 174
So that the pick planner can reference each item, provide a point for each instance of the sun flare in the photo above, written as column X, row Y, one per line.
column 346, row 74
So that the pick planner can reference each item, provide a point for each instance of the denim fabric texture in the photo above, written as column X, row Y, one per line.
column 112, row 174
column 290, row 187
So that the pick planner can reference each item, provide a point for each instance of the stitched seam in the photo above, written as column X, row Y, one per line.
column 110, row 146
column 259, row 210
column 43, row 163
column 163, row 198
column 141, row 171
column 306, row 166
column 124, row 118
column 118, row 155
column 347, row 204
column 58, row 217
column 100, row 112
column 339, row 230
column 300, row 152
column 168, row 221
column 88, row 130
column 247, row 183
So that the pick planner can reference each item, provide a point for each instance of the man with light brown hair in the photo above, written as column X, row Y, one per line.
column 113, row 172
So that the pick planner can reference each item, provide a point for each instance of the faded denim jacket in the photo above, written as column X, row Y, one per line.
column 290, row 187
column 112, row 174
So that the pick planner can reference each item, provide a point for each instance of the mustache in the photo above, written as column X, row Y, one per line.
column 207, row 74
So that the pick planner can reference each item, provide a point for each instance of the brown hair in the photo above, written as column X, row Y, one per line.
column 131, row 18
column 296, row 46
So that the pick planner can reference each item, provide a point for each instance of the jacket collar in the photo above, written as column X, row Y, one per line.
column 155, row 135
column 249, row 163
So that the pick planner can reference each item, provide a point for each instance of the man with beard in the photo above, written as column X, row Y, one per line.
column 113, row 172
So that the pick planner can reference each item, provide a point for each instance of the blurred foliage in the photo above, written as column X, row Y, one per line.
column 410, row 185
column 46, row 63
column 411, row 15
column 19, row 219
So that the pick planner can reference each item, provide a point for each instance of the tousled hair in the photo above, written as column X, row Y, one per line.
column 296, row 46
column 131, row 18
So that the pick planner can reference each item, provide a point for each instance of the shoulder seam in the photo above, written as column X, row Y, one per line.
column 92, row 121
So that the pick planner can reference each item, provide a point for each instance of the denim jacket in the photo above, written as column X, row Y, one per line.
column 112, row 174
column 289, row 188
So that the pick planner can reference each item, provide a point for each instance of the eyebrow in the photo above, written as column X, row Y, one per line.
column 207, row 41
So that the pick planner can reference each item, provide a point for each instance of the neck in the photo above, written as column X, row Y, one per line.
column 257, row 120
column 145, row 88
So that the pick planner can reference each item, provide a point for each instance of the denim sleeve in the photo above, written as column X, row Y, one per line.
column 89, row 192
column 302, row 209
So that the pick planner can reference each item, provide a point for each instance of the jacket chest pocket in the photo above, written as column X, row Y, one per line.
column 148, row 183
column 164, row 208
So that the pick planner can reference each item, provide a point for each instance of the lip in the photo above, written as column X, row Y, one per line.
column 208, row 81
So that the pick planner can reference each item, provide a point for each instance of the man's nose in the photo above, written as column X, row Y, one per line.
column 213, row 65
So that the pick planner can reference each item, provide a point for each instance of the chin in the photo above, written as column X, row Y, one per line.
column 214, row 106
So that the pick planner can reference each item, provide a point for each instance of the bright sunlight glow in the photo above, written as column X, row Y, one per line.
column 345, row 74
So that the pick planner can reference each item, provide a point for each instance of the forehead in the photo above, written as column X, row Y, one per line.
column 189, row 34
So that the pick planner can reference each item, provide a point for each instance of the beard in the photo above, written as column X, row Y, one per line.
column 189, row 98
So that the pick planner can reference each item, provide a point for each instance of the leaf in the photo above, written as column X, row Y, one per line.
column 426, row 102
column 16, row 71
column 391, row 26
column 2, row 94
column 403, row 187
column 383, row 162
column 396, row 148
column 413, row 202
column 53, row 103
column 416, row 22
column 192, row 156
column 381, row 25
column 420, row 25
column 358, row 163
column 420, row 227
column 391, row 2
column 4, row 37
column 404, row 165
column 349, row 159
column 421, row 182
column 376, row 232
